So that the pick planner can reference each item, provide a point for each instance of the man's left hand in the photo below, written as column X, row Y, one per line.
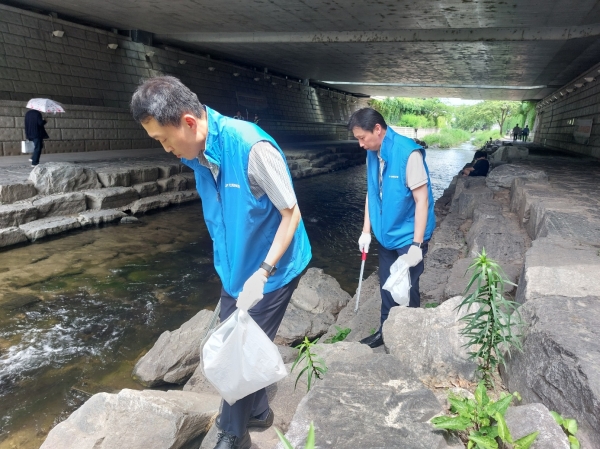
column 252, row 292
column 413, row 256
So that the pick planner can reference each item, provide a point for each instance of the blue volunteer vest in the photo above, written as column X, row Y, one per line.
column 393, row 216
column 242, row 228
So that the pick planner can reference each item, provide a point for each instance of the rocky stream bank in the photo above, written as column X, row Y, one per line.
column 57, row 197
column 537, row 219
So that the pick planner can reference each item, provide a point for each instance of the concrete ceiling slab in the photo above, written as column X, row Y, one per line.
column 464, row 48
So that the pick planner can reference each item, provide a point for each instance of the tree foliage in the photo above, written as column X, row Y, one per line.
column 431, row 112
column 393, row 110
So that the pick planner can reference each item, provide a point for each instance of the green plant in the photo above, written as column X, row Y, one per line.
column 490, row 328
column 447, row 138
column 310, row 439
column 372, row 331
column 340, row 335
column 314, row 367
column 479, row 138
column 569, row 426
column 431, row 305
column 480, row 422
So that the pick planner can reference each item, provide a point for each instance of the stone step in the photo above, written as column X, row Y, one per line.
column 110, row 197
column 10, row 193
column 17, row 214
column 97, row 217
column 49, row 226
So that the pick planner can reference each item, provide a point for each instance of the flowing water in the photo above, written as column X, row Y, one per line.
column 78, row 310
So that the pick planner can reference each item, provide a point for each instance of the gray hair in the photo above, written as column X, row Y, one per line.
column 165, row 99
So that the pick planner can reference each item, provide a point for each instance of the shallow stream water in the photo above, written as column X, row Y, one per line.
column 78, row 310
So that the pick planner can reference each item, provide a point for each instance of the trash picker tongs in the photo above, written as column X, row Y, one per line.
column 362, row 270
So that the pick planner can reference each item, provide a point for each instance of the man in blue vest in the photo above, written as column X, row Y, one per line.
column 399, row 204
column 249, row 205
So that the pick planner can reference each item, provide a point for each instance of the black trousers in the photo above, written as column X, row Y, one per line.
column 268, row 314
column 38, row 145
column 386, row 259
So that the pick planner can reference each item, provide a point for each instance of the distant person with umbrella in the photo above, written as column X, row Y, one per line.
column 35, row 131
column 34, row 124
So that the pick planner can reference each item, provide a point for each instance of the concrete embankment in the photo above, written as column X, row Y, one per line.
column 538, row 216
column 57, row 197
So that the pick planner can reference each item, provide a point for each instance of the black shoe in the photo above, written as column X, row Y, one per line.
column 373, row 341
column 226, row 440
column 255, row 422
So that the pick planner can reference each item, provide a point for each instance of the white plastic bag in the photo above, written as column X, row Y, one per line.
column 27, row 146
column 398, row 283
column 238, row 358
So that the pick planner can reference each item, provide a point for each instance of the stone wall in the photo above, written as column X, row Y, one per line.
column 82, row 128
column 557, row 116
column 95, row 84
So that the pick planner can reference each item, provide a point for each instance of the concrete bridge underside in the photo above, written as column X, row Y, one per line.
column 453, row 48
column 303, row 66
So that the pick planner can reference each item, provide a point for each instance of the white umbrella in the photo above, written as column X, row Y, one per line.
column 45, row 105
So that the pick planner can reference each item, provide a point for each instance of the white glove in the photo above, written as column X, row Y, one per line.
column 364, row 241
column 252, row 292
column 413, row 256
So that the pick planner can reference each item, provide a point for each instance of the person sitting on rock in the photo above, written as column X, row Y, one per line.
column 398, row 207
column 250, row 209
column 480, row 166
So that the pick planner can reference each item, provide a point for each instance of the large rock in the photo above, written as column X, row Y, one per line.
column 448, row 234
column 516, row 153
column 318, row 292
column 49, row 226
column 175, row 355
column 438, row 264
column 11, row 193
column 501, row 237
column 96, row 217
column 167, row 170
column 143, row 174
column 111, row 177
column 172, row 184
column 470, row 198
column 17, row 214
column 161, row 201
column 565, row 219
column 147, row 204
column 559, row 267
column 60, row 204
column 63, row 177
column 428, row 340
column 372, row 402
column 137, row 420
column 185, row 196
column 503, row 176
column 459, row 277
column 110, row 197
column 146, row 189
column 464, row 183
column 364, row 322
column 11, row 236
column 525, row 419
column 523, row 194
column 313, row 307
column 284, row 396
column 298, row 323
column 560, row 362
